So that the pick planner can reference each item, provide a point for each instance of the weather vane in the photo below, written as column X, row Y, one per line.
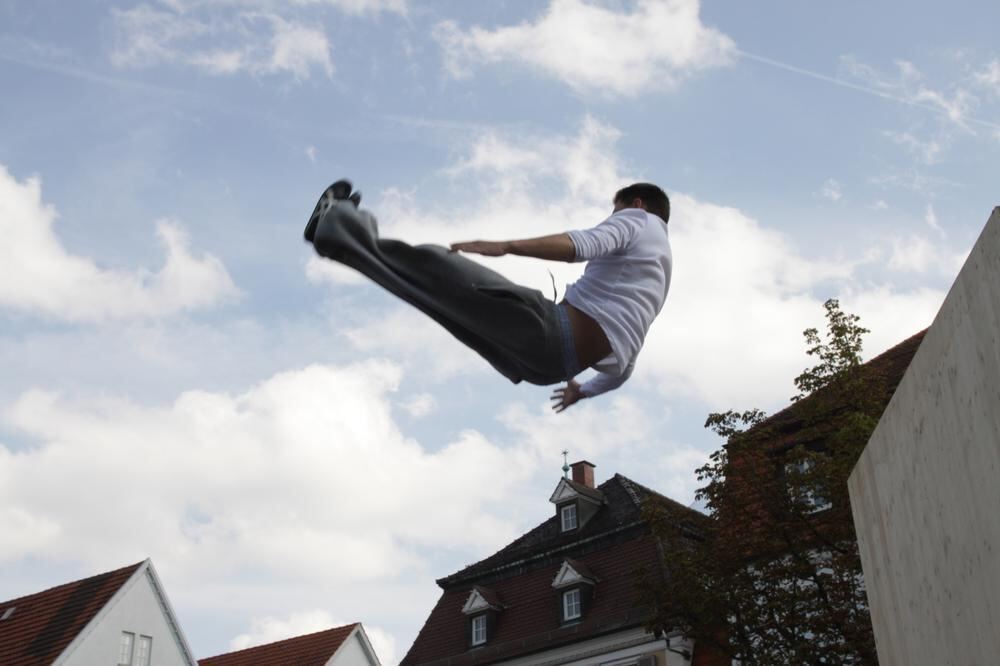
column 565, row 463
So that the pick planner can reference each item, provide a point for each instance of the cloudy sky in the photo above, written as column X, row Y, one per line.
column 183, row 380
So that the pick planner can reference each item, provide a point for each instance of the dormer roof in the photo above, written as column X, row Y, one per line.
column 573, row 572
column 481, row 599
column 568, row 489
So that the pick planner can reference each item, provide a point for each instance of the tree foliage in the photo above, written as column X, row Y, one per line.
column 773, row 576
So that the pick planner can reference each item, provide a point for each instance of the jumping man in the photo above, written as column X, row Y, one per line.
column 601, row 323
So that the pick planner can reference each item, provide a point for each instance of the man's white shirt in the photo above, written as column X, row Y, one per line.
column 623, row 287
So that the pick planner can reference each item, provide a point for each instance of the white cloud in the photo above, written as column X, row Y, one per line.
column 41, row 277
column 913, row 180
column 217, row 469
column 961, row 103
column 927, row 151
column 420, row 405
column 915, row 253
column 320, row 271
column 264, row 630
column 417, row 341
column 989, row 77
column 930, row 217
column 955, row 101
column 364, row 6
column 253, row 41
column 346, row 6
column 596, row 49
column 831, row 190
column 311, row 153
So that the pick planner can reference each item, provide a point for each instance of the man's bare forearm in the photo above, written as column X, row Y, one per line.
column 557, row 247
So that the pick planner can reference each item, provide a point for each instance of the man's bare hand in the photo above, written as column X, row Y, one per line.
column 565, row 396
column 486, row 248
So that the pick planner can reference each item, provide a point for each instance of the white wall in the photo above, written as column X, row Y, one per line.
column 353, row 653
column 926, row 491
column 138, row 611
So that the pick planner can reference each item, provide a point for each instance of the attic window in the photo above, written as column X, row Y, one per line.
column 478, row 626
column 571, row 605
column 481, row 608
column 7, row 613
column 568, row 515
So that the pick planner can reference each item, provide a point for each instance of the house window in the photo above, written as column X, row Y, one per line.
column 568, row 514
column 799, row 489
column 571, row 605
column 125, row 649
column 479, row 630
column 145, row 649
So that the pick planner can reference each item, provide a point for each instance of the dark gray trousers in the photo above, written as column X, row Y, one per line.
column 515, row 328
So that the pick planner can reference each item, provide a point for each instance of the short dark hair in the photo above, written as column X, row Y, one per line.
column 656, row 200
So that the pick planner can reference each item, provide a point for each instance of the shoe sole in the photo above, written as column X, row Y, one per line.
column 339, row 190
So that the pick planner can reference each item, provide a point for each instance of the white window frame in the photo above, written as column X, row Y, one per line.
column 478, row 629
column 572, row 599
column 568, row 514
column 144, row 654
column 126, row 644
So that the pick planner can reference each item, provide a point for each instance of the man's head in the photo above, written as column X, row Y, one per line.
column 647, row 196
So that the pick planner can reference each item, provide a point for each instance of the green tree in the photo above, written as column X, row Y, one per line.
column 773, row 576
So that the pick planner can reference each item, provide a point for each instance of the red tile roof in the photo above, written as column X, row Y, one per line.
column 613, row 546
column 43, row 624
column 309, row 650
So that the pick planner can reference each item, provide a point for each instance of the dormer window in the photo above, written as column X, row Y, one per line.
column 576, row 499
column 482, row 608
column 568, row 515
column 575, row 583
column 572, row 606
column 478, row 630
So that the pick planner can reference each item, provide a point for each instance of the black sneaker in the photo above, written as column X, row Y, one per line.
column 340, row 190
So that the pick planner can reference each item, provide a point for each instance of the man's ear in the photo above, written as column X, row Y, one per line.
column 638, row 203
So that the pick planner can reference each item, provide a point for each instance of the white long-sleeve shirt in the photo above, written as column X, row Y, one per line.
column 623, row 287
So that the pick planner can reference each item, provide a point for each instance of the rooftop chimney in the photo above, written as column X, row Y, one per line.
column 583, row 473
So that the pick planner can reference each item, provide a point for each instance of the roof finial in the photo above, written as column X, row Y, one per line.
column 565, row 464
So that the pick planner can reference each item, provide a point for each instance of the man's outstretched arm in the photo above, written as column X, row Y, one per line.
column 557, row 247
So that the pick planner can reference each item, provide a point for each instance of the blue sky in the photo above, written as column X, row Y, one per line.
column 293, row 448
